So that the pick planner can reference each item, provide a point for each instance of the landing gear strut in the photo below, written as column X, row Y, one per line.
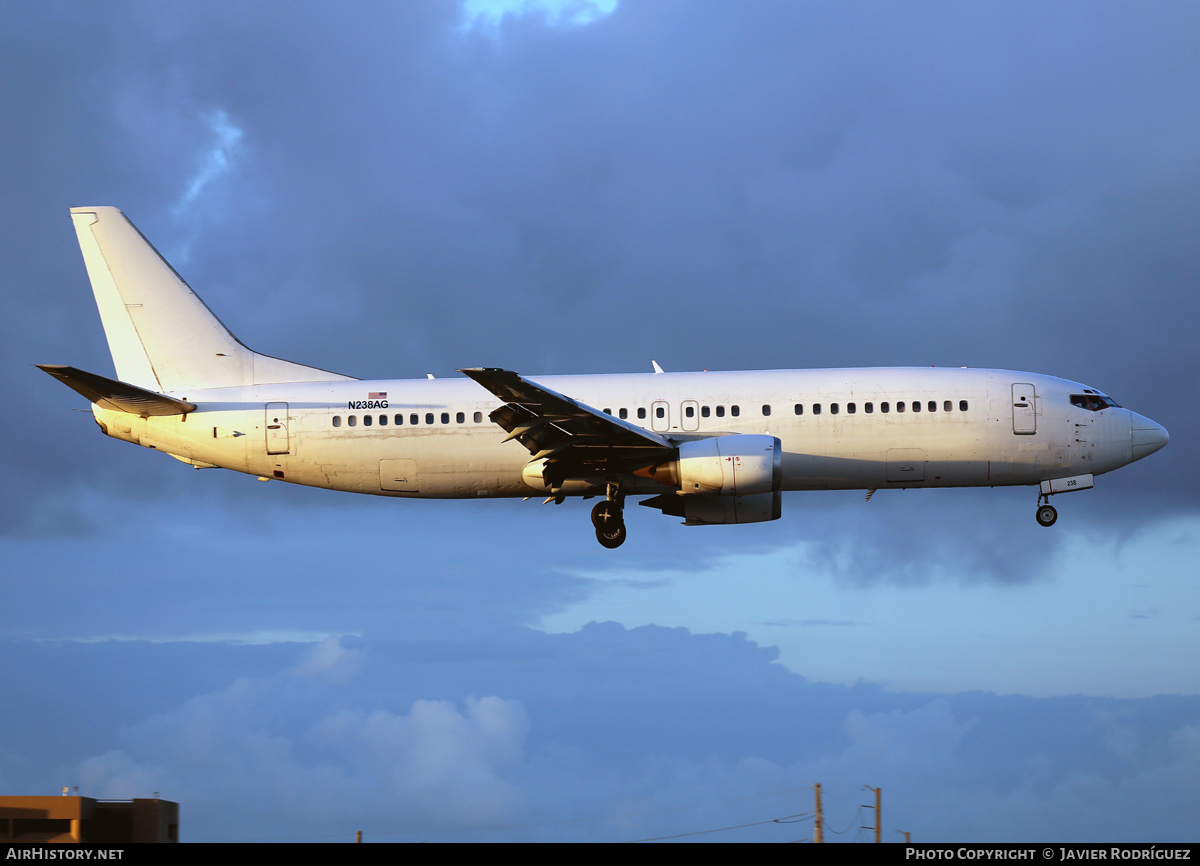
column 608, row 518
column 1046, row 513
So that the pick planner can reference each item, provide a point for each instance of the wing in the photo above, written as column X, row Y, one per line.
column 575, row 440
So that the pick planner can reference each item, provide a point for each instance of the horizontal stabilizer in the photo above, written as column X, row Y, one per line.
column 111, row 394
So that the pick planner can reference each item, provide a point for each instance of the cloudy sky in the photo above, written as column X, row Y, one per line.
column 390, row 190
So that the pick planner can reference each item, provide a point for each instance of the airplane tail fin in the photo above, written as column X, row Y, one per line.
column 161, row 335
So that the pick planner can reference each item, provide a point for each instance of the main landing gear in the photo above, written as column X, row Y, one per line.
column 1046, row 513
column 609, row 520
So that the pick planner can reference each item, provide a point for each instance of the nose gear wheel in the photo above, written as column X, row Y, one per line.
column 1046, row 515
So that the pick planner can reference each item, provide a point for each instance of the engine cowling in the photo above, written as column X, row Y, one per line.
column 708, row 510
column 756, row 508
column 742, row 465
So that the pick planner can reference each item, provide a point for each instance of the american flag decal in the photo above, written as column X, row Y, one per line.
column 377, row 395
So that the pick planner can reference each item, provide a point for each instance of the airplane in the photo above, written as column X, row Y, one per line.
column 709, row 447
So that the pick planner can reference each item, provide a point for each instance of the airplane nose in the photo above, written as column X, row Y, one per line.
column 1147, row 436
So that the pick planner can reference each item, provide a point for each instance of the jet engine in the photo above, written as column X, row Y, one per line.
column 738, row 465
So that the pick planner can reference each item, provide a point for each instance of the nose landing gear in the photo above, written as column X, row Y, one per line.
column 1046, row 514
column 609, row 520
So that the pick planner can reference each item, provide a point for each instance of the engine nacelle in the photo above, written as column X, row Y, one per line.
column 742, row 465
column 709, row 510
column 702, row 510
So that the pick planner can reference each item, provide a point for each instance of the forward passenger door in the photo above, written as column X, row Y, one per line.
column 1024, row 408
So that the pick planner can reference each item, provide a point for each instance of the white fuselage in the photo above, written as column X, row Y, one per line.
column 712, row 448
column 867, row 428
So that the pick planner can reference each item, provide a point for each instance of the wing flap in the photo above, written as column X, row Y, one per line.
column 121, row 396
column 575, row 440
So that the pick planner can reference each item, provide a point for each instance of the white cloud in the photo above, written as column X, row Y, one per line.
column 443, row 766
column 116, row 775
column 488, row 15
column 265, row 752
column 216, row 159
column 331, row 660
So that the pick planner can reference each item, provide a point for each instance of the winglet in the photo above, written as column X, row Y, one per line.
column 657, row 369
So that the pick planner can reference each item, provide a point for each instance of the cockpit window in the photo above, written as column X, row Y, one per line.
column 1092, row 402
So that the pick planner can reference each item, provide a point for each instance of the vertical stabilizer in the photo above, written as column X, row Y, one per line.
column 161, row 335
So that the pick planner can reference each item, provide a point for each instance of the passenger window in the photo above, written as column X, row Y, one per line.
column 833, row 408
column 478, row 417
column 399, row 419
column 460, row 418
column 885, row 407
column 445, row 417
column 916, row 405
column 766, row 410
column 962, row 405
column 642, row 412
column 690, row 411
column 869, row 408
column 851, row 408
column 899, row 405
column 367, row 420
column 720, row 411
column 660, row 412
column 383, row 420
column 947, row 406
column 428, row 417
column 623, row 413
column 932, row 406
column 337, row 420
column 799, row 408
column 735, row 411
column 705, row 411
column 816, row 408
column 608, row 411
column 352, row 421
column 414, row 419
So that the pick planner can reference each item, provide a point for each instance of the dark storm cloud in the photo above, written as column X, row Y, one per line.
column 232, row 566
column 606, row 734
column 375, row 191
column 773, row 186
